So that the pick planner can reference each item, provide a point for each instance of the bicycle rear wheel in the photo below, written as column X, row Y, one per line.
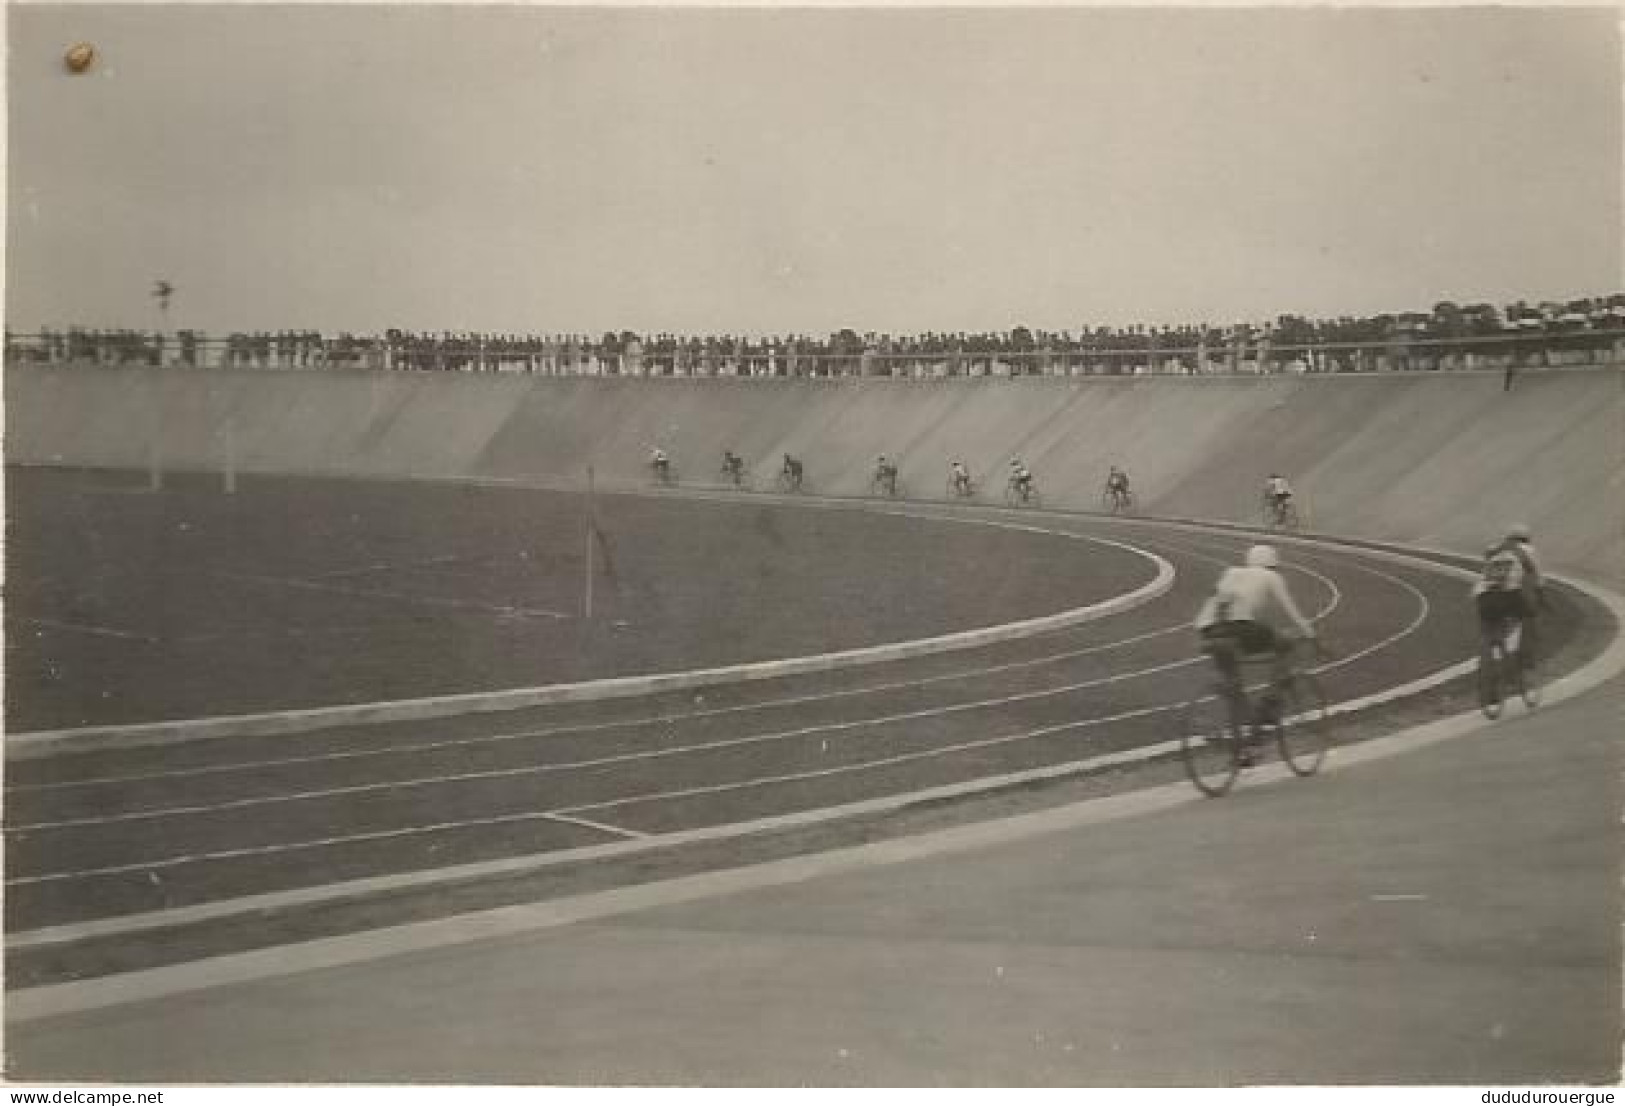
column 1210, row 746
column 1489, row 682
column 1304, row 731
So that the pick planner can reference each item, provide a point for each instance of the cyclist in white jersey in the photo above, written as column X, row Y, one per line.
column 1251, row 612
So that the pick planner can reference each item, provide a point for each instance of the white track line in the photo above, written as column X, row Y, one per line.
column 52, row 998
column 46, row 742
column 573, row 812
column 86, row 628
column 594, row 727
column 380, row 593
column 665, row 752
column 410, row 748
column 1594, row 673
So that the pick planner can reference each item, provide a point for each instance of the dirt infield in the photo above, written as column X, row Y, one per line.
column 295, row 592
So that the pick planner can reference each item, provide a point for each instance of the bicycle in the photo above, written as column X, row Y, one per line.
column 1117, row 500
column 1019, row 493
column 961, row 487
column 884, row 482
column 1280, row 514
column 737, row 475
column 663, row 475
column 1219, row 733
column 1502, row 669
column 789, row 483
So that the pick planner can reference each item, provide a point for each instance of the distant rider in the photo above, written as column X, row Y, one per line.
column 1021, row 477
column 660, row 463
column 733, row 466
column 791, row 472
column 886, row 474
column 1117, row 486
column 959, row 478
column 1277, row 493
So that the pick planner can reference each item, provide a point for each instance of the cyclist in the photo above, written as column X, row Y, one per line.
column 791, row 473
column 1021, row 478
column 1277, row 493
column 959, row 478
column 1251, row 613
column 660, row 463
column 886, row 474
column 733, row 466
column 1510, row 588
column 1117, row 486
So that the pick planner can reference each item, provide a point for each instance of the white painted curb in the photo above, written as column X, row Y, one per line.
column 43, row 743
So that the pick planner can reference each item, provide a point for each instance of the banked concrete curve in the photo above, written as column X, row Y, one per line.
column 42, row 743
column 1427, row 458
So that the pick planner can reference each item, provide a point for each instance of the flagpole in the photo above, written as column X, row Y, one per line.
column 591, row 515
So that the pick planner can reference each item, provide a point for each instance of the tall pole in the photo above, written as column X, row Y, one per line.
column 231, row 455
column 592, row 516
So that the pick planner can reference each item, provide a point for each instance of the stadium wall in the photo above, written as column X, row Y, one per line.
column 1443, row 459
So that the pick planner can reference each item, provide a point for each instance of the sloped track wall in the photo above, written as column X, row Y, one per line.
column 1444, row 460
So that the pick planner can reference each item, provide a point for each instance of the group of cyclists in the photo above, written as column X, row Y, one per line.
column 1251, row 613
column 1020, row 484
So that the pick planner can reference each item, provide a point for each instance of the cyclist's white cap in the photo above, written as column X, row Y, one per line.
column 1518, row 532
column 1263, row 556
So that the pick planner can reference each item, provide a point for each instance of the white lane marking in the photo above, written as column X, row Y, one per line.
column 87, row 628
column 1598, row 671
column 700, row 748
column 944, row 750
column 574, row 811
column 505, row 610
column 601, row 827
column 1398, row 898
column 594, row 727
column 402, row 566
column 31, row 1004
column 43, row 743
column 957, row 676
column 151, row 866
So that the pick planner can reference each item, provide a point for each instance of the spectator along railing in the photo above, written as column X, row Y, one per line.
column 1252, row 354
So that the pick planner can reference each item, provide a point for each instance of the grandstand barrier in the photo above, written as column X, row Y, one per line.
column 1248, row 356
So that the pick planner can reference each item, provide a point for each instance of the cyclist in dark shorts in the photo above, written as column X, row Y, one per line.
column 791, row 472
column 1510, row 588
column 733, row 466
column 1117, row 486
column 1251, row 614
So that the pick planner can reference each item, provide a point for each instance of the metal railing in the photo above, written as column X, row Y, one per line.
column 1246, row 356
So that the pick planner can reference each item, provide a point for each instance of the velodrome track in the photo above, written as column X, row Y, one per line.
column 176, row 846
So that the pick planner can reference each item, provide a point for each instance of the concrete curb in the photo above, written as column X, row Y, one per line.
column 44, row 743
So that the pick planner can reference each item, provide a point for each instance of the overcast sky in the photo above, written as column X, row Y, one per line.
column 547, row 169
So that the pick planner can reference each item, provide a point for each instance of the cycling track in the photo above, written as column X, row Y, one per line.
column 121, row 841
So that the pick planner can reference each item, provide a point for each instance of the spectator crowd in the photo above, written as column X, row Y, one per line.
column 1450, row 336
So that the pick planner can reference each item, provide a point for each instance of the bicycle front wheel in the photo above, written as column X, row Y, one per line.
column 1210, row 746
column 1304, row 733
column 1489, row 682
